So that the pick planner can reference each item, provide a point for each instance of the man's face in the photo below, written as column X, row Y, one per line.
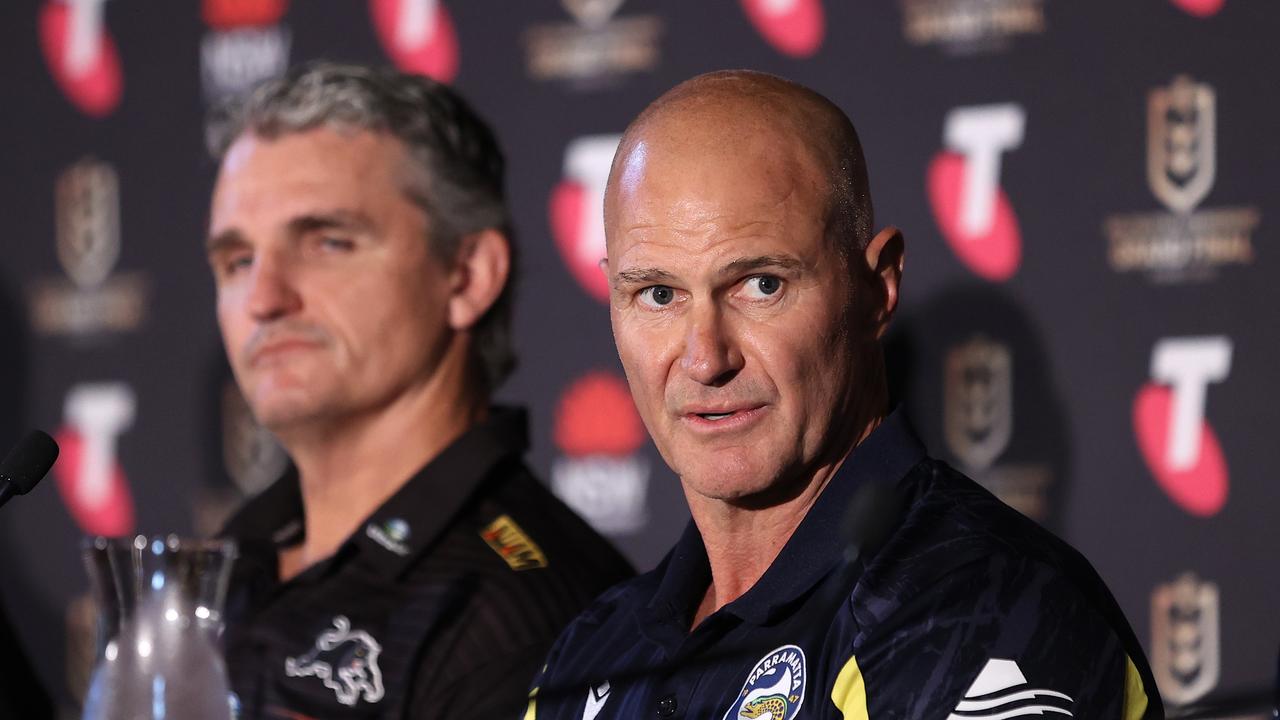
column 731, row 311
column 330, row 302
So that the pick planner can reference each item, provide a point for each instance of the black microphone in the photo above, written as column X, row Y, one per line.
column 26, row 464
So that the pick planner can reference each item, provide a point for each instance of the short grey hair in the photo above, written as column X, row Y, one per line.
column 458, row 164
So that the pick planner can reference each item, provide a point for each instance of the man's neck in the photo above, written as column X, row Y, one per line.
column 347, row 470
column 742, row 542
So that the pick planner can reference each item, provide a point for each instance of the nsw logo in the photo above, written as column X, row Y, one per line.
column 81, row 55
column 577, row 210
column 418, row 36
column 972, row 210
column 1179, row 447
column 774, row 688
column 599, row 473
column 793, row 27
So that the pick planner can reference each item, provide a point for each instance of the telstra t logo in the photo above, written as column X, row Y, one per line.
column 972, row 211
column 418, row 35
column 81, row 55
column 1179, row 447
column 577, row 210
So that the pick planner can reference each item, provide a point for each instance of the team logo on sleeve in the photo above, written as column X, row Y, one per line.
column 774, row 689
column 1002, row 691
column 345, row 660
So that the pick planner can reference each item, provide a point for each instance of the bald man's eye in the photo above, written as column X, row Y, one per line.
column 657, row 296
column 761, row 287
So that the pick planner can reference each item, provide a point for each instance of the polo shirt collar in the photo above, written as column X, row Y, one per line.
column 813, row 550
column 409, row 521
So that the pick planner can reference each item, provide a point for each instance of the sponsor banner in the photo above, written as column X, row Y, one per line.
column 1185, row 647
column 577, row 210
column 246, row 44
column 82, row 55
column 89, row 476
column 1200, row 8
column 90, row 301
column 1184, row 244
column 970, row 26
column 793, row 27
column 973, row 212
column 599, row 471
column 978, row 424
column 1179, row 447
column 597, row 49
column 419, row 36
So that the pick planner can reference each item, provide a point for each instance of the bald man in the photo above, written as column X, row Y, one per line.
column 831, row 568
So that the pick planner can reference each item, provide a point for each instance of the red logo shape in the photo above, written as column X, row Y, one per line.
column 231, row 14
column 87, row 67
column 1200, row 489
column 426, row 45
column 1200, row 8
column 994, row 254
column 569, row 207
column 106, row 508
column 596, row 416
column 793, row 27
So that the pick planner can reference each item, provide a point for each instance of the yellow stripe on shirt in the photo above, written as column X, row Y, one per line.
column 850, row 692
column 1135, row 696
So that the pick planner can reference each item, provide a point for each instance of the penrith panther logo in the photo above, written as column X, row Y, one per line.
column 345, row 660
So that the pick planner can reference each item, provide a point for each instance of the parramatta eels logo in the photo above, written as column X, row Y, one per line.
column 345, row 660
column 775, row 688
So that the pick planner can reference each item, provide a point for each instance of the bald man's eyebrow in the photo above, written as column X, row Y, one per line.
column 642, row 276
column 743, row 266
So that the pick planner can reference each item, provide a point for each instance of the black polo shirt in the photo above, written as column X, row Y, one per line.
column 442, row 605
column 961, row 608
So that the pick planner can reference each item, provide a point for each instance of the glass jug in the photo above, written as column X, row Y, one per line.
column 160, row 603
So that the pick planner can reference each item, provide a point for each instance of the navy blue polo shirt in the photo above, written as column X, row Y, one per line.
column 961, row 609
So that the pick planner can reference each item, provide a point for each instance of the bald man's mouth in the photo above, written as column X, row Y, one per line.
column 714, row 420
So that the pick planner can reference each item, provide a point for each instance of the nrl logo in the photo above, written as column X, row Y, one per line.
column 592, row 13
column 346, row 661
column 978, row 401
column 1185, row 656
column 87, row 197
column 1181, row 137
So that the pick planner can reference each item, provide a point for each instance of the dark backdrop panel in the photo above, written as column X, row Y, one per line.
column 1114, row 292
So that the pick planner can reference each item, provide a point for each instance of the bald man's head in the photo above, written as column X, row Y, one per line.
column 719, row 112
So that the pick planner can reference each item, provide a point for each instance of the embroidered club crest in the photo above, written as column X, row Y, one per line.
column 774, row 689
column 345, row 660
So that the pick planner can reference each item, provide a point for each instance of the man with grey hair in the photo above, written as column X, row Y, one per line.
column 408, row 565
column 831, row 569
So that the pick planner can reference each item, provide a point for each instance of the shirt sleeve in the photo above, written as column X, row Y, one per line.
column 493, row 691
column 994, row 639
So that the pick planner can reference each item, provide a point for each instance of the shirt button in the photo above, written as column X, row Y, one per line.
column 667, row 706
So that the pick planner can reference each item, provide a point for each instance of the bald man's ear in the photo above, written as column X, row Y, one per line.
column 479, row 276
column 885, row 256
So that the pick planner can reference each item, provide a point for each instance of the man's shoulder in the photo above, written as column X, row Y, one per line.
column 954, row 521
column 957, row 539
column 528, row 528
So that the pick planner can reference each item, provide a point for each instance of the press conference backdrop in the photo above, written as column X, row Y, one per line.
column 1089, row 326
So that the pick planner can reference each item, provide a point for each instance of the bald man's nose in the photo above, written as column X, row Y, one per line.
column 272, row 292
column 711, row 355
